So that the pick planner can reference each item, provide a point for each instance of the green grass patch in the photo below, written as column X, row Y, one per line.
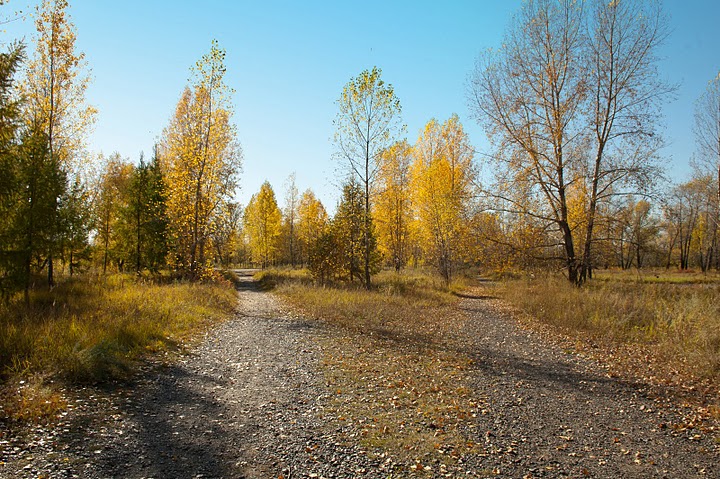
column 94, row 329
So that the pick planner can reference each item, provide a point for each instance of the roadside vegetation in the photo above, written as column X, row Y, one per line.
column 659, row 327
column 96, row 330
column 399, row 371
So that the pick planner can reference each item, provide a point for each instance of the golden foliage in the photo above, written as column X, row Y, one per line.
column 263, row 226
column 202, row 159
column 442, row 184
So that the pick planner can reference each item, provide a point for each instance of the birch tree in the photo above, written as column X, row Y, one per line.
column 262, row 222
column 202, row 160
column 312, row 222
column 290, row 218
column 393, row 205
column 367, row 120
column 442, row 179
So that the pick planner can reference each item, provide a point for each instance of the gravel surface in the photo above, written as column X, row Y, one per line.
column 251, row 402
column 552, row 413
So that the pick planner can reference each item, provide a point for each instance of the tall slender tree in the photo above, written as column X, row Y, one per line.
column 290, row 218
column 54, row 92
column 312, row 222
column 202, row 159
column 393, row 205
column 262, row 225
column 367, row 120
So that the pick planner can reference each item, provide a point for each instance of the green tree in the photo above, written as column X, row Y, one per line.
column 11, row 256
column 367, row 120
column 112, row 196
column 75, row 223
column 143, row 222
column 339, row 252
column 54, row 94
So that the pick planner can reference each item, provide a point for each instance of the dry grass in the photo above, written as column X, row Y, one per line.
column 677, row 323
column 663, row 276
column 90, row 330
column 391, row 368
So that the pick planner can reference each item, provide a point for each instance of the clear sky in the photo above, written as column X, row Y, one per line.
column 289, row 60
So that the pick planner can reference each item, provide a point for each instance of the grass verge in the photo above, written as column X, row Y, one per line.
column 391, row 366
column 665, row 332
column 91, row 330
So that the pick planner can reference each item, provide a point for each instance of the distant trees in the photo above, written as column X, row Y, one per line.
column 262, row 223
column 571, row 102
column 367, row 120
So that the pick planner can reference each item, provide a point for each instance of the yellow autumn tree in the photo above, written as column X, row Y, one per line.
column 442, row 183
column 263, row 222
column 55, row 107
column 202, row 160
column 392, row 204
column 312, row 221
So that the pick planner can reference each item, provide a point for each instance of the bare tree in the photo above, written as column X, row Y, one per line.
column 292, row 199
column 625, row 93
column 707, row 134
column 528, row 95
column 571, row 101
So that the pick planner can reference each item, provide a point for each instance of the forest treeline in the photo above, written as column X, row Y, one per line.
column 571, row 103
column 65, row 207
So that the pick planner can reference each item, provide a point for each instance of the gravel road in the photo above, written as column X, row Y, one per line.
column 251, row 402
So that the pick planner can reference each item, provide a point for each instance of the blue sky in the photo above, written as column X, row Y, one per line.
column 289, row 60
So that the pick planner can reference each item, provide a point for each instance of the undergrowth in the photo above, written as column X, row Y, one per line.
column 93, row 330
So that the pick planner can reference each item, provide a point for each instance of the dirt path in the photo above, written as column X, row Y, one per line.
column 248, row 403
column 252, row 402
column 551, row 413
